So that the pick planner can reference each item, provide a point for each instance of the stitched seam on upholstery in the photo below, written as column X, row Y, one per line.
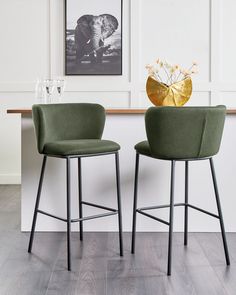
column 39, row 128
column 202, row 136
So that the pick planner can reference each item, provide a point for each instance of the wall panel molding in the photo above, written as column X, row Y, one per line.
column 131, row 81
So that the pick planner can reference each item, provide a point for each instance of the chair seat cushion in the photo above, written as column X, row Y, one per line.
column 143, row 148
column 80, row 147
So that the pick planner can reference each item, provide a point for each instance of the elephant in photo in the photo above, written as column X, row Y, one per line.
column 90, row 33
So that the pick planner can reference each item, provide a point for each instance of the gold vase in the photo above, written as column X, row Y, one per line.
column 176, row 94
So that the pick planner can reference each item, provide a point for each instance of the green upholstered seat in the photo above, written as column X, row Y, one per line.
column 182, row 132
column 143, row 148
column 80, row 147
column 71, row 129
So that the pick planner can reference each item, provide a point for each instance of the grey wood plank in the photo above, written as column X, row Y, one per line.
column 227, row 276
column 89, row 266
column 149, row 264
column 64, row 282
column 231, row 240
column 212, row 246
column 9, row 221
column 178, row 284
column 183, row 256
column 91, row 283
column 24, row 273
column 27, row 283
column 9, row 198
column 151, row 253
column 87, row 255
column 8, row 240
column 9, row 207
column 205, row 281
column 146, row 254
column 44, row 253
column 130, row 282
column 113, row 244
column 148, row 281
column 97, row 267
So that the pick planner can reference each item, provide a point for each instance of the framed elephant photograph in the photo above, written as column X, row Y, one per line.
column 93, row 37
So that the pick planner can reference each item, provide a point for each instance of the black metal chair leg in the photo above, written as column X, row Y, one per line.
column 37, row 204
column 80, row 199
column 68, row 197
column 171, row 217
column 119, row 202
column 186, row 205
column 135, row 204
column 219, row 212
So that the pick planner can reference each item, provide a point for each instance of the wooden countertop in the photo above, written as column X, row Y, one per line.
column 108, row 111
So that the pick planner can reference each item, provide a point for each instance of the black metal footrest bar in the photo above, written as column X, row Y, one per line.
column 139, row 210
column 153, row 217
column 203, row 211
column 99, row 206
column 79, row 219
column 94, row 216
column 51, row 215
column 161, row 206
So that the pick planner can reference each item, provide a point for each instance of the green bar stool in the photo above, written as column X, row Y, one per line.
column 181, row 134
column 68, row 131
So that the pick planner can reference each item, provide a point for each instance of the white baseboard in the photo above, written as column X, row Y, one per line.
column 10, row 179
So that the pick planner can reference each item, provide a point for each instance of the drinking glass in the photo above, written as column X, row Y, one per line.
column 60, row 84
column 39, row 91
column 49, row 86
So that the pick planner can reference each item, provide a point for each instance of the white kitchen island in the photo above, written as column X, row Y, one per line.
column 98, row 176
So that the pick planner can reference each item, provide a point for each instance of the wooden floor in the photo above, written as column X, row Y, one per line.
column 97, row 268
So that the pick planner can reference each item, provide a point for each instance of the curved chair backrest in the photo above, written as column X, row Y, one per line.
column 184, row 132
column 55, row 122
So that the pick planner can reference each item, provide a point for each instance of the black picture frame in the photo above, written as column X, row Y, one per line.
column 89, row 56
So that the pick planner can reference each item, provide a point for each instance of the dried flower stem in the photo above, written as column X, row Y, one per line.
column 173, row 73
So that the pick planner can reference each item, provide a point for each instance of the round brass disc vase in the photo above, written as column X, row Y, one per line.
column 177, row 94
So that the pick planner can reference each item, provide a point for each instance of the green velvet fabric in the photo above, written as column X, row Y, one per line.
column 80, row 147
column 62, row 126
column 183, row 132
column 143, row 148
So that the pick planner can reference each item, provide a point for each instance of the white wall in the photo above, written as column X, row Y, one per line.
column 32, row 46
